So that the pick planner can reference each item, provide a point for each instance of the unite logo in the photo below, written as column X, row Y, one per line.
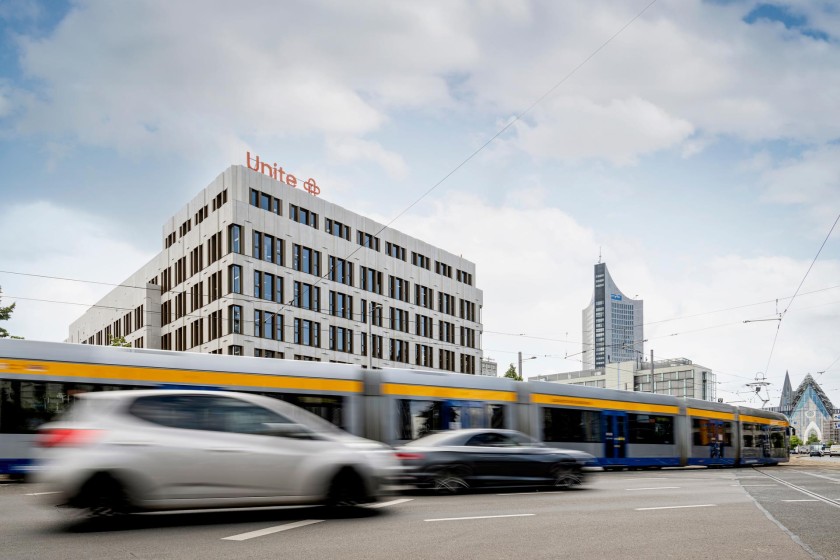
column 279, row 174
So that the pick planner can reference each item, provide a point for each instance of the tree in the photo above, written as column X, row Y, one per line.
column 511, row 373
column 796, row 441
column 5, row 315
column 120, row 341
column 813, row 438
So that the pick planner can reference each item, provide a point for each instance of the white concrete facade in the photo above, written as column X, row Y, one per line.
column 188, row 301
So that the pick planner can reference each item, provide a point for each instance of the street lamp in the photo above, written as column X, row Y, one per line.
column 524, row 360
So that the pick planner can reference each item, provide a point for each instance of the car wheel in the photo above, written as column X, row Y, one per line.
column 566, row 476
column 449, row 481
column 346, row 490
column 104, row 497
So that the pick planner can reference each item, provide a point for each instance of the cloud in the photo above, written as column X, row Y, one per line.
column 534, row 265
column 813, row 179
column 621, row 130
column 160, row 76
column 349, row 150
column 79, row 245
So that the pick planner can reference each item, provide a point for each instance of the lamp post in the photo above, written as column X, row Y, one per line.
column 520, row 364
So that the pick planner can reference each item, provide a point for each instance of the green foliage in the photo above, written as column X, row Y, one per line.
column 120, row 341
column 5, row 315
column 796, row 441
column 813, row 439
column 511, row 373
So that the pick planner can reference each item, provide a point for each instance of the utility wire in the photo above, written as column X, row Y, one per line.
column 783, row 314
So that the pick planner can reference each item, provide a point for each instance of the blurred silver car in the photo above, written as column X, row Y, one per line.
column 122, row 451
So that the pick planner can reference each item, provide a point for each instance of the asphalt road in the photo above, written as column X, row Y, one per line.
column 786, row 512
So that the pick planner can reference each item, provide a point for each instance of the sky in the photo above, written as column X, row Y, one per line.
column 693, row 146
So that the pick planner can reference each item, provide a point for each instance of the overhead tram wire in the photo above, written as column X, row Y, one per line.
column 783, row 314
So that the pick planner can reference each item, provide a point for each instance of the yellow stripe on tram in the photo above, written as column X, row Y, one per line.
column 760, row 420
column 447, row 392
column 123, row 374
column 699, row 412
column 600, row 404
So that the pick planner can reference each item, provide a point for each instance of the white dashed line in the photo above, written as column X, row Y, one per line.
column 658, row 488
column 391, row 503
column 41, row 493
column 675, row 507
column 270, row 530
column 800, row 500
column 481, row 517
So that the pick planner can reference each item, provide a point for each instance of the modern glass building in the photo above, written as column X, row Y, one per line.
column 256, row 265
column 612, row 328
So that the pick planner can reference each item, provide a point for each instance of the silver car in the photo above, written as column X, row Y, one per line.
column 122, row 451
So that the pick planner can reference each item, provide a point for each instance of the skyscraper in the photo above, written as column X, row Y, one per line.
column 612, row 324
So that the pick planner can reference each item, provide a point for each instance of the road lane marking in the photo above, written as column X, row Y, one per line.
column 41, row 493
column 391, row 503
column 800, row 500
column 676, row 507
column 658, row 488
column 482, row 517
column 753, row 485
column 835, row 480
column 270, row 530
column 532, row 493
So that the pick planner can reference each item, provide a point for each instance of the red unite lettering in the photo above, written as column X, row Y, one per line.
column 278, row 173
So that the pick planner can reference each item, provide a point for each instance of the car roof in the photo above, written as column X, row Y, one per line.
column 136, row 393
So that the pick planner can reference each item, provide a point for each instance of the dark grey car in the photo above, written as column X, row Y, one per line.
column 449, row 462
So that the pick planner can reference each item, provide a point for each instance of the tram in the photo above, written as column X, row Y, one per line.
column 39, row 380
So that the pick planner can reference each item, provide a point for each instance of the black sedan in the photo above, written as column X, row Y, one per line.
column 450, row 462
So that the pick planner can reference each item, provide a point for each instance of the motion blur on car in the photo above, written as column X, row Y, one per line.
column 451, row 462
column 118, row 452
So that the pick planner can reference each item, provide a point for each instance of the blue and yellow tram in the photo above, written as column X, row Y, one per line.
column 38, row 380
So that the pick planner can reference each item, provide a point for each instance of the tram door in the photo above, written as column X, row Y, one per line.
column 615, row 435
column 715, row 437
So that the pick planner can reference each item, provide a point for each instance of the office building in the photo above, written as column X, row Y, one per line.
column 612, row 329
column 256, row 265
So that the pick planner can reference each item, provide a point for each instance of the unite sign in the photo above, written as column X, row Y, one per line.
column 279, row 174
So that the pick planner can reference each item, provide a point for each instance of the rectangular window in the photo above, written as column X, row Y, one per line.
column 306, row 260
column 235, row 279
column 648, row 428
column 307, row 296
column 256, row 251
column 561, row 424
column 307, row 333
column 234, row 238
column 235, row 319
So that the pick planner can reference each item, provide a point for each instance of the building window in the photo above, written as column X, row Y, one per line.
column 307, row 333
column 306, row 260
column 341, row 271
column 235, row 239
column 341, row 339
column 235, row 278
column 307, row 296
column 303, row 216
column 234, row 350
column 235, row 319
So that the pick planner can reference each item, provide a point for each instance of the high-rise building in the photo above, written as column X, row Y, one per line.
column 256, row 265
column 612, row 324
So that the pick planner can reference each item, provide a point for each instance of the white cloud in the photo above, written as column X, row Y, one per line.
column 812, row 179
column 79, row 245
column 621, row 130
column 161, row 76
column 534, row 266
column 349, row 150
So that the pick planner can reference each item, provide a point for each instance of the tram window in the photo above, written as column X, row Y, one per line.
column 565, row 424
column 497, row 416
column 328, row 407
column 706, row 432
column 748, row 435
column 777, row 438
column 418, row 418
column 646, row 428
